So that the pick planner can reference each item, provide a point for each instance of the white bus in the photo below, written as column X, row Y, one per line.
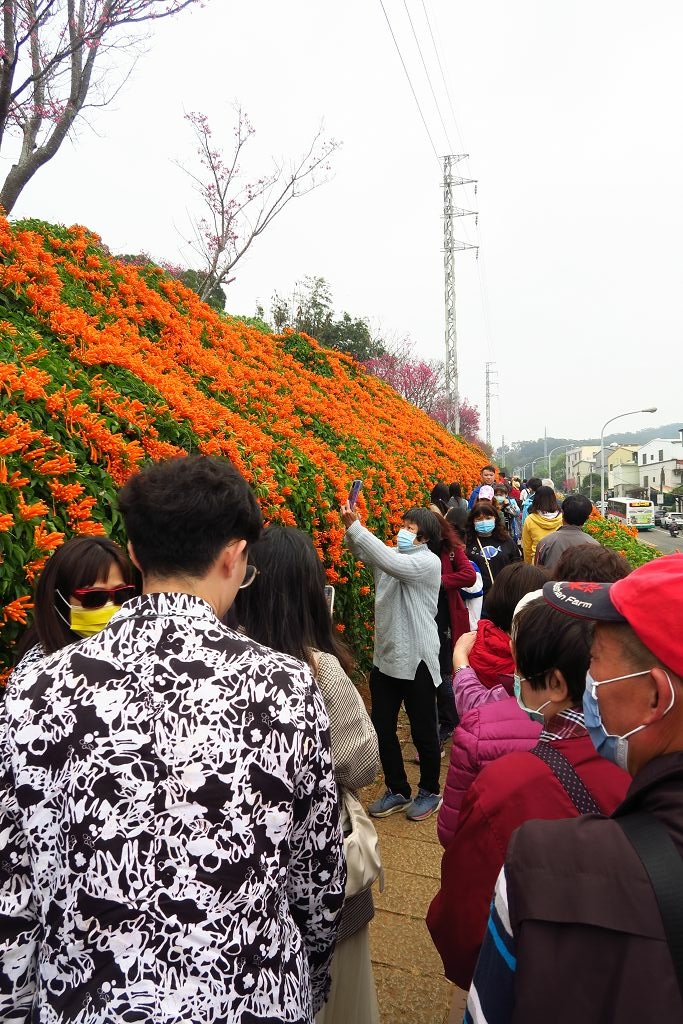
column 632, row 512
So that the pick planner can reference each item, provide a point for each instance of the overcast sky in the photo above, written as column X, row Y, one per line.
column 571, row 114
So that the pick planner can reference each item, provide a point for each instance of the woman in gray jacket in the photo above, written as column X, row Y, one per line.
column 406, row 656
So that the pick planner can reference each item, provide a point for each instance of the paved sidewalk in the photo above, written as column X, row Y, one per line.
column 408, row 971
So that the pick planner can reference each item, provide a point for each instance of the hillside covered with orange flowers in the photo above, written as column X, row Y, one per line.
column 104, row 366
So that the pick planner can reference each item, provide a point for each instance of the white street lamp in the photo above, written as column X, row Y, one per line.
column 558, row 449
column 602, row 449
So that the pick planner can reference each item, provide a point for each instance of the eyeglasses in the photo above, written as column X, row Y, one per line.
column 97, row 597
column 249, row 576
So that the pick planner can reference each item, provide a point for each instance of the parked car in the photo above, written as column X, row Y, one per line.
column 659, row 515
column 666, row 518
column 675, row 520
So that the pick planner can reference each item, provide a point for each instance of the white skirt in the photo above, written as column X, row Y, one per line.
column 353, row 997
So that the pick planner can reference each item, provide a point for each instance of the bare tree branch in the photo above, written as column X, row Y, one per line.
column 47, row 61
column 235, row 211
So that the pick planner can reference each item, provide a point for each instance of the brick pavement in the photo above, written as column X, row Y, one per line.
column 410, row 984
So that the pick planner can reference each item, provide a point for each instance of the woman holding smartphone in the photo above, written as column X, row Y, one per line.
column 406, row 656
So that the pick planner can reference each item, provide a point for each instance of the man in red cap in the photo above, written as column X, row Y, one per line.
column 587, row 918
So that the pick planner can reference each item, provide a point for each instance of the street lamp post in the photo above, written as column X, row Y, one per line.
column 558, row 449
column 534, row 463
column 602, row 449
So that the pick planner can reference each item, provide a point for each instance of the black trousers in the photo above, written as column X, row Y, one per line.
column 445, row 702
column 418, row 695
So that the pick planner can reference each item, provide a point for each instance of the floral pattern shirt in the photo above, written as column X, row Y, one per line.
column 170, row 848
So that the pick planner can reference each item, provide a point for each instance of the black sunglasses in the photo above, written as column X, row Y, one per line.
column 96, row 597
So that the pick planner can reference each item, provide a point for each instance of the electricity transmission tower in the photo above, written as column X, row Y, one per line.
column 450, row 246
column 490, row 382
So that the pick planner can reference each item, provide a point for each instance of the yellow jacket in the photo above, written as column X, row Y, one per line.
column 536, row 527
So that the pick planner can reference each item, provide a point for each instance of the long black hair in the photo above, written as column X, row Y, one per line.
column 285, row 607
column 79, row 562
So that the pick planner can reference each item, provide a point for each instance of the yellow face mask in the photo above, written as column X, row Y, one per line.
column 88, row 621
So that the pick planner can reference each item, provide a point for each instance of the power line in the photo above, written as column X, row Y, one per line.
column 429, row 80
column 443, row 76
column 481, row 270
column 429, row 136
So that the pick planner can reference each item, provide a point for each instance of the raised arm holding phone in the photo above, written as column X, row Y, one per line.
column 406, row 655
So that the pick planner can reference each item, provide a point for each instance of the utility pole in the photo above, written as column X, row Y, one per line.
column 490, row 373
column 450, row 247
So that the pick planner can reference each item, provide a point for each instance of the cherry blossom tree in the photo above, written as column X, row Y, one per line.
column 236, row 211
column 48, row 57
column 423, row 383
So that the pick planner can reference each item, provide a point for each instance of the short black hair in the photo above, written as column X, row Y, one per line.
column 545, row 639
column 285, row 607
column 509, row 587
column 534, row 482
column 591, row 563
column 428, row 526
column 489, row 467
column 576, row 509
column 179, row 514
column 78, row 562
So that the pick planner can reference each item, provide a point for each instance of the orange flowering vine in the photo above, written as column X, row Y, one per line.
column 104, row 366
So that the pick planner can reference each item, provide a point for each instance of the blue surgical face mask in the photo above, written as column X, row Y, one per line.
column 606, row 746
column 535, row 715
column 405, row 540
column 485, row 526
column 611, row 745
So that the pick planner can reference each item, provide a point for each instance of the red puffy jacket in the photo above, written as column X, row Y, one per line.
column 505, row 794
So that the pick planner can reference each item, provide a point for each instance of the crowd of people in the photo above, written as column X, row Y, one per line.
column 181, row 744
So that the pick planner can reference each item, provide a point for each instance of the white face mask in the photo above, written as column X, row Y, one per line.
column 618, row 751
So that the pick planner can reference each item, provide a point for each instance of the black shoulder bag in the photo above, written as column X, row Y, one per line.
column 664, row 867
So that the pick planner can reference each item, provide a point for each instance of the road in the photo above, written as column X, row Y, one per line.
column 662, row 540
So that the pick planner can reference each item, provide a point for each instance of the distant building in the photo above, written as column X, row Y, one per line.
column 660, row 465
column 578, row 463
column 623, row 478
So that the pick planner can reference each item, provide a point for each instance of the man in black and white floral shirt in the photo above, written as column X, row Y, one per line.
column 170, row 844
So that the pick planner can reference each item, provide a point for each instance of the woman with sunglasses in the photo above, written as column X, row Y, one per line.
column 83, row 584
column 286, row 609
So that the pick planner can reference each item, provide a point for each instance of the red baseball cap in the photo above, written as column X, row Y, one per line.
column 650, row 600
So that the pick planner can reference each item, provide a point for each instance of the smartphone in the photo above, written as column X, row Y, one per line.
column 329, row 597
column 354, row 492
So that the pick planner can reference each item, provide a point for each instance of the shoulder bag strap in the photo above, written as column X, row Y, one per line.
column 488, row 564
column 664, row 867
column 566, row 775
